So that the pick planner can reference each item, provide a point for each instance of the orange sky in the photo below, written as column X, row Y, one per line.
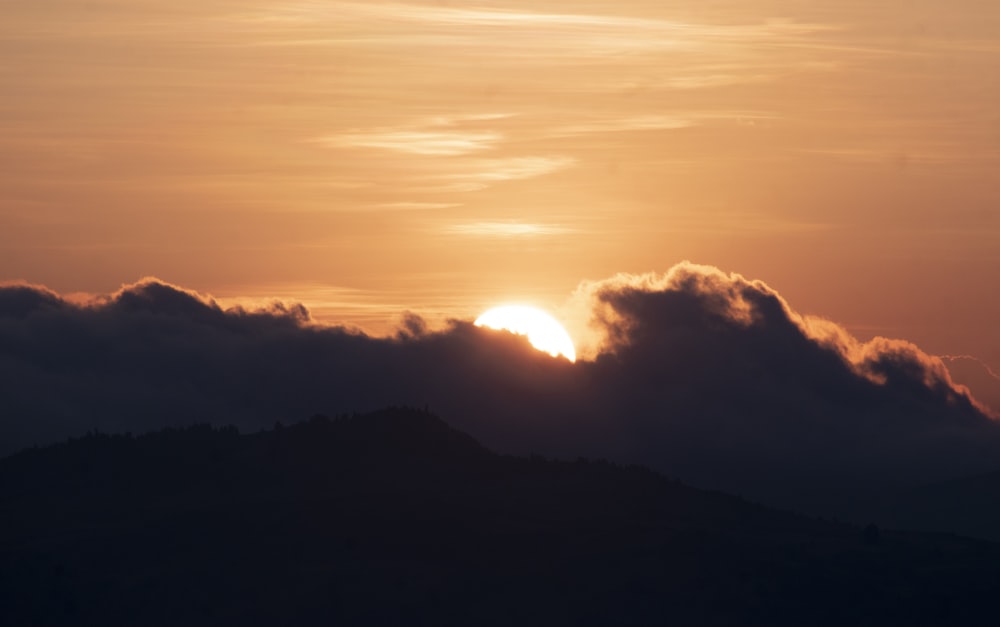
column 441, row 157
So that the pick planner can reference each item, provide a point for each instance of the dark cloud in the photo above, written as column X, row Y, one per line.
column 705, row 376
column 17, row 300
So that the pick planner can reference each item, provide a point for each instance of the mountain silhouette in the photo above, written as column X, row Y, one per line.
column 394, row 517
column 964, row 505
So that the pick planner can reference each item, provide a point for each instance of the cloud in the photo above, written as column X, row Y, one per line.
column 985, row 366
column 590, row 35
column 634, row 123
column 19, row 300
column 703, row 375
column 437, row 136
column 513, row 168
column 506, row 229
column 441, row 154
column 633, row 312
column 475, row 174
column 978, row 374
column 433, row 143
column 417, row 206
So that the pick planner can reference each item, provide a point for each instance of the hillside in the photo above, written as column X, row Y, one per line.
column 396, row 518
column 968, row 506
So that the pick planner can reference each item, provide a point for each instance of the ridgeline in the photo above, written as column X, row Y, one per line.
column 396, row 518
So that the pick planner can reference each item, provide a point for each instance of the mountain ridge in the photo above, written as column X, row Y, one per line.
column 395, row 517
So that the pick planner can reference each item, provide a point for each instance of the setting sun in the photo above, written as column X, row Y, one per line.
column 542, row 330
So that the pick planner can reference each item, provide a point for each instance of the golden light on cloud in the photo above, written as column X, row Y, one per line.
column 542, row 330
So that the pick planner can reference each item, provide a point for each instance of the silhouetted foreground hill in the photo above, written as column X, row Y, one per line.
column 967, row 505
column 395, row 518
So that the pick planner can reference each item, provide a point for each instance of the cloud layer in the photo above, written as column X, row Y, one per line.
column 703, row 375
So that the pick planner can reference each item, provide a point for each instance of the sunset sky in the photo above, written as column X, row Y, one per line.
column 369, row 158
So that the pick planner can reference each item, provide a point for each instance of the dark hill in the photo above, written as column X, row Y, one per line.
column 968, row 506
column 395, row 518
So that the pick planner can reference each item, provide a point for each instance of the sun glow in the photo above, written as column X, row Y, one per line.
column 541, row 329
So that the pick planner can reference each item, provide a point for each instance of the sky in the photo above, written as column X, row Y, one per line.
column 370, row 158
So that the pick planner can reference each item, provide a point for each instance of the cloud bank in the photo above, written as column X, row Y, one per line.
column 703, row 375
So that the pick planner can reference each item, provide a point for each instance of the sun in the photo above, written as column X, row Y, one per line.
column 542, row 330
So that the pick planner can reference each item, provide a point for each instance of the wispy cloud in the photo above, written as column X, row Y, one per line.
column 601, row 30
column 703, row 80
column 618, row 125
column 441, row 135
column 506, row 229
column 511, row 168
column 417, row 206
column 432, row 143
column 986, row 367
column 435, row 154
column 470, row 174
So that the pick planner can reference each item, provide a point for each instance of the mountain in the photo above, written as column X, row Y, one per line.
column 967, row 505
column 394, row 517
